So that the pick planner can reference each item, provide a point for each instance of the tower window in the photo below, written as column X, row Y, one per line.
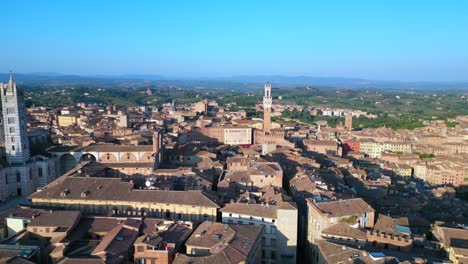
column 18, row 176
column 13, row 148
column 12, row 139
column 12, row 130
column 11, row 120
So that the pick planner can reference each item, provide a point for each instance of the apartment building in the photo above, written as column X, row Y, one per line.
column 279, row 222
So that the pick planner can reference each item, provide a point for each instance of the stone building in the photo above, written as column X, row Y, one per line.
column 279, row 223
column 112, row 196
column 321, row 215
column 215, row 242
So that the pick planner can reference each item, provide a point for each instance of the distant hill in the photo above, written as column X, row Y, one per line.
column 235, row 82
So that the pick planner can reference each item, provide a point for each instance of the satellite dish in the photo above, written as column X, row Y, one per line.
column 147, row 183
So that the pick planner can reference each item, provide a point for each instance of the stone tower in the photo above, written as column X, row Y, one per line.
column 267, row 102
column 348, row 122
column 14, row 123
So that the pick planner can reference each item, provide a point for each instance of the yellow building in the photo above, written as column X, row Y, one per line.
column 66, row 120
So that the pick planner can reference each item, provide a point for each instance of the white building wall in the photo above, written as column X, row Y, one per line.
column 281, row 231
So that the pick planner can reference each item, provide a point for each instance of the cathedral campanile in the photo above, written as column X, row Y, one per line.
column 14, row 123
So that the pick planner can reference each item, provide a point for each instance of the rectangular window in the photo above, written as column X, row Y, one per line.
column 273, row 230
column 140, row 248
column 11, row 120
column 18, row 176
column 273, row 242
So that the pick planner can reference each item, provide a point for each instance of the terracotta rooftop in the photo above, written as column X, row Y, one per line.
column 55, row 218
column 346, row 207
column 342, row 229
column 335, row 253
column 227, row 243
column 115, row 189
column 259, row 210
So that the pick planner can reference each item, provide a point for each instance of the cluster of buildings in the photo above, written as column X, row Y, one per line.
column 200, row 184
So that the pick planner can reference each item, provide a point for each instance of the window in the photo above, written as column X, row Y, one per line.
column 39, row 172
column 140, row 248
column 206, row 218
column 18, row 176
column 11, row 120
column 12, row 130
column 273, row 254
column 12, row 139
column 273, row 242
column 263, row 241
column 273, row 230
column 13, row 148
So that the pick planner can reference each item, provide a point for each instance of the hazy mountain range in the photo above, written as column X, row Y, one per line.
column 233, row 82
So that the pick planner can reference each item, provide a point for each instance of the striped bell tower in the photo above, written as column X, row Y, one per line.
column 14, row 123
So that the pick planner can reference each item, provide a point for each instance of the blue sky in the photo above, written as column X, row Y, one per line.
column 387, row 40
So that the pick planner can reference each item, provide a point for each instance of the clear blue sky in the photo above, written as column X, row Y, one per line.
column 390, row 40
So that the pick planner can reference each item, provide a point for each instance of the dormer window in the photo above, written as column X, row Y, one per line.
column 65, row 192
